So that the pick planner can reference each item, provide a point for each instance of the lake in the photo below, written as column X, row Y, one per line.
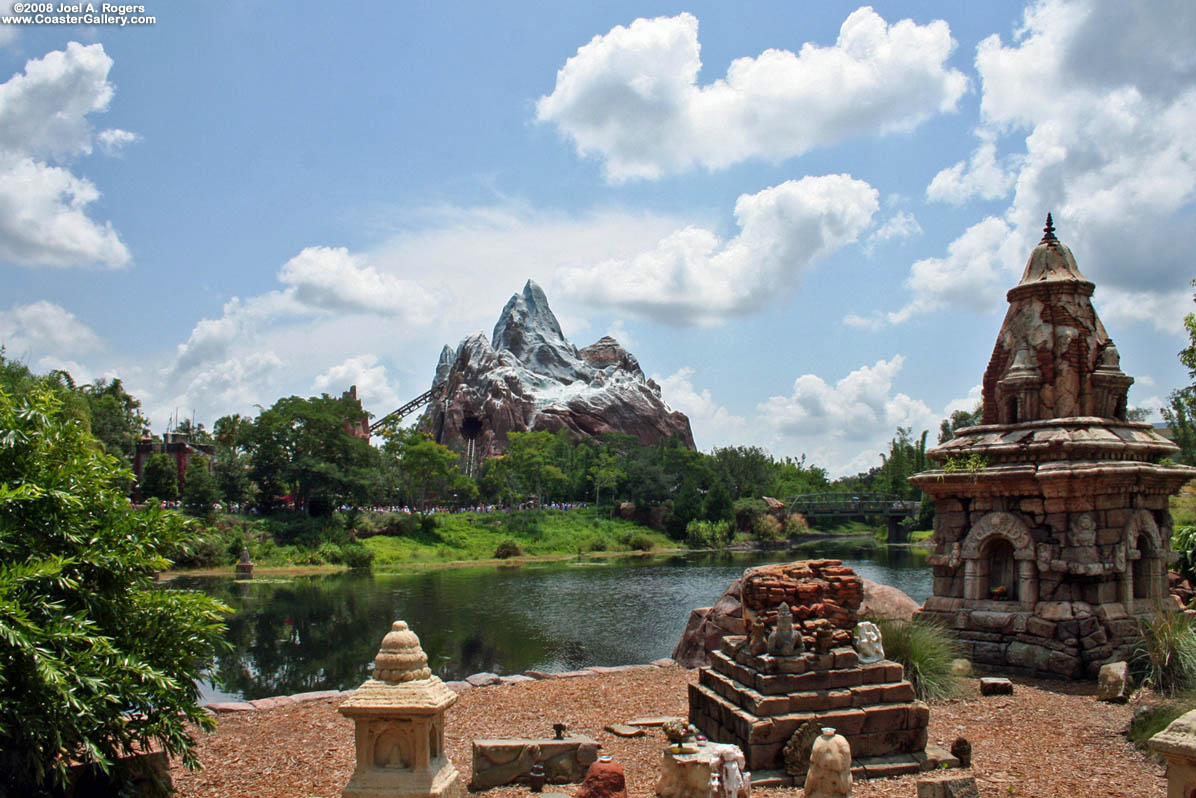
column 322, row 632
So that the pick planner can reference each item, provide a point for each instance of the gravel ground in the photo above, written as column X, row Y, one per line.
column 1048, row 739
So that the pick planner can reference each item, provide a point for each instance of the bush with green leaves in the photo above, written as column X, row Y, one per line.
column 1183, row 541
column 640, row 542
column 925, row 649
column 708, row 534
column 507, row 549
column 766, row 529
column 796, row 524
column 1164, row 657
column 94, row 660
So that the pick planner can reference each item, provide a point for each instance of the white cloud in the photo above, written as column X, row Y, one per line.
column 692, row 277
column 45, row 328
column 1105, row 98
column 631, row 96
column 845, row 426
column 713, row 424
column 373, row 388
column 44, row 117
column 900, row 226
column 982, row 176
column 113, row 140
column 332, row 279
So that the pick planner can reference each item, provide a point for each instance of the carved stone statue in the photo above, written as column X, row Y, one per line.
column 868, row 643
column 757, row 645
column 782, row 642
column 734, row 781
column 829, row 775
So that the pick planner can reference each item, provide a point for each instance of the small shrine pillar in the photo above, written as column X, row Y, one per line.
column 399, row 726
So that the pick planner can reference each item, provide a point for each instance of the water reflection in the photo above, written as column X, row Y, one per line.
column 317, row 633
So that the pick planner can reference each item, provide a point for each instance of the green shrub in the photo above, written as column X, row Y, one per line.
column 329, row 553
column 925, row 650
column 356, row 555
column 766, row 528
column 94, row 659
column 707, row 534
column 507, row 549
column 1183, row 540
column 640, row 542
column 746, row 511
column 795, row 525
column 1165, row 656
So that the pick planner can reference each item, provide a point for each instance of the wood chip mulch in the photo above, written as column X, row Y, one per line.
column 1048, row 739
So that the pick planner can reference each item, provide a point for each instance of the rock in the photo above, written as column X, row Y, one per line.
column 1113, row 683
column 943, row 785
column 961, row 749
column 604, row 779
column 1177, row 744
column 664, row 662
column 995, row 685
column 221, row 707
column 625, row 730
column 484, row 679
column 529, row 377
column 886, row 601
column 961, row 667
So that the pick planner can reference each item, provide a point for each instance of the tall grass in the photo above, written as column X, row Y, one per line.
column 925, row 650
column 1165, row 656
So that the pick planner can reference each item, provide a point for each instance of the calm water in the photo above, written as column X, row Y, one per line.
column 321, row 633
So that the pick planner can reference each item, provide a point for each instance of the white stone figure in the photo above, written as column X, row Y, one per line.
column 868, row 643
column 729, row 763
column 829, row 775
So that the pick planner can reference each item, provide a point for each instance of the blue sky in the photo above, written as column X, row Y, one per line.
column 801, row 217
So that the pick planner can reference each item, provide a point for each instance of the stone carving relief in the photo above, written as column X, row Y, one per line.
column 1000, row 524
column 392, row 749
column 1083, row 530
column 868, row 643
column 782, row 642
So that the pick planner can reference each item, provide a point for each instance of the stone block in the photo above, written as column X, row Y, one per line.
column 1054, row 610
column 1040, row 627
column 919, row 715
column 988, row 653
column 1064, row 664
column 1056, row 506
column 992, row 621
column 1095, row 640
column 946, row 785
column 847, row 677
column 1030, row 505
column 867, row 695
column 995, row 685
column 885, row 718
column 837, row 699
column 846, row 658
column 901, row 692
column 934, row 757
column 1113, row 683
column 1112, row 611
column 808, row 701
column 1112, row 501
column 847, row 722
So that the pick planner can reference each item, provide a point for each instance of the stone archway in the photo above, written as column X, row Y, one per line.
column 1142, row 583
column 993, row 536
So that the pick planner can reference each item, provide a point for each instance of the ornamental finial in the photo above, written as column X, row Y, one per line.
column 1048, row 232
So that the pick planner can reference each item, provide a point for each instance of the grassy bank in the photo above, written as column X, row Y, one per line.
column 486, row 536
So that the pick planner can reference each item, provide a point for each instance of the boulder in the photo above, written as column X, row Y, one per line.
column 1113, row 683
column 995, row 685
column 942, row 785
column 886, row 601
column 528, row 377
column 604, row 779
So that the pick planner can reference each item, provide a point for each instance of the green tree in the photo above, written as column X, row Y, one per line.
column 302, row 446
column 527, row 467
column 200, row 492
column 231, row 472
column 605, row 473
column 424, row 468
column 960, row 419
column 747, row 471
column 94, row 659
column 160, row 478
column 1180, row 416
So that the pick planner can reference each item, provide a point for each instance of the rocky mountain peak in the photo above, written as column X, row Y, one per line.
column 528, row 329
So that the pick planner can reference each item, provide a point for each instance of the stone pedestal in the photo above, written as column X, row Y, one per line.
column 1177, row 744
column 507, row 761
column 689, row 775
column 244, row 566
column 399, row 726
column 758, row 701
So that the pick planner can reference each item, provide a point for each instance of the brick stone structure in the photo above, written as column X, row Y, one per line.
column 1052, row 528
column 758, row 701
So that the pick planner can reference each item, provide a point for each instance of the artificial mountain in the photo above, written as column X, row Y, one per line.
column 528, row 377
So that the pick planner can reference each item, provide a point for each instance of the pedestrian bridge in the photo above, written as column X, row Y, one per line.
column 857, row 505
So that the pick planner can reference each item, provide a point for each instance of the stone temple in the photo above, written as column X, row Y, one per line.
column 1052, row 529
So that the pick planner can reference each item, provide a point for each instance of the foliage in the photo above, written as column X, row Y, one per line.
column 747, row 471
column 424, row 469
column 1164, row 657
column 641, row 542
column 925, row 650
column 301, row 446
column 507, row 549
column 1180, row 416
column 526, row 469
column 200, row 492
column 971, row 464
column 231, row 472
column 160, row 478
column 1183, row 541
column 766, row 528
column 795, row 525
column 708, row 534
column 93, row 658
column 958, row 420
column 747, row 511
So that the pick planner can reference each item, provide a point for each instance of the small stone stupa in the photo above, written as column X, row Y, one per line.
column 1052, row 527
column 399, row 717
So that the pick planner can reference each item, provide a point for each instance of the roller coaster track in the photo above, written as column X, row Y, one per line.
column 407, row 409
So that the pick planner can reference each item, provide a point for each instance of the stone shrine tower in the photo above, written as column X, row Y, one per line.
column 1052, row 529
